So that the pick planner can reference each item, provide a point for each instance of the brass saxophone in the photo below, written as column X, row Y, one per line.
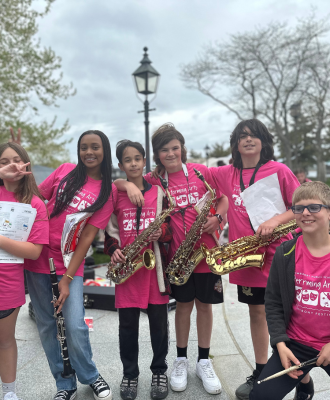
column 181, row 266
column 237, row 255
column 134, row 260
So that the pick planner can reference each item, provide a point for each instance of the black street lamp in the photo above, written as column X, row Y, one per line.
column 146, row 81
column 207, row 149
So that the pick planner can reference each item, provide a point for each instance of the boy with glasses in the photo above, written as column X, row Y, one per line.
column 298, row 298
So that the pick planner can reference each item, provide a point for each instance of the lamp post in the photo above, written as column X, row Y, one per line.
column 207, row 149
column 146, row 80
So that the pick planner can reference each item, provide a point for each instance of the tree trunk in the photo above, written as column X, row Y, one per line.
column 320, row 169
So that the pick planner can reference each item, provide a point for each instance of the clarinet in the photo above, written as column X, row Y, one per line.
column 68, row 371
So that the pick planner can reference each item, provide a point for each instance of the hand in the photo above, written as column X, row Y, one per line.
column 265, row 230
column 156, row 235
column 14, row 172
column 324, row 356
column 212, row 224
column 159, row 170
column 64, row 290
column 286, row 357
column 135, row 195
column 117, row 257
column 13, row 138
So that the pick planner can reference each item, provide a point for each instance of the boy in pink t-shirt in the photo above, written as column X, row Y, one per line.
column 143, row 289
column 298, row 298
column 253, row 153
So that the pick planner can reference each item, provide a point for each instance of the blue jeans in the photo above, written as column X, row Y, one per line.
column 77, row 334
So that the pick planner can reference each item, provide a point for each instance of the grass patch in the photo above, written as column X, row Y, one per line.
column 101, row 258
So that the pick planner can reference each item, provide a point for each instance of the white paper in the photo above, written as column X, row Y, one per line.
column 16, row 220
column 263, row 200
column 73, row 226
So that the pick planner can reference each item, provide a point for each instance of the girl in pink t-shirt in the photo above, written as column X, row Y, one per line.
column 69, row 189
column 18, row 186
column 253, row 153
column 146, row 289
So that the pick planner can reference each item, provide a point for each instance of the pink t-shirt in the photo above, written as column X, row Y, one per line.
column 227, row 179
column 310, row 318
column 86, row 196
column 142, row 288
column 187, row 192
column 12, row 291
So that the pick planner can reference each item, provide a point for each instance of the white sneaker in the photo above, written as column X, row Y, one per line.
column 205, row 371
column 179, row 375
column 11, row 396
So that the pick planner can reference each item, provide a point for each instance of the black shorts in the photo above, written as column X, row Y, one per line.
column 205, row 287
column 6, row 313
column 251, row 295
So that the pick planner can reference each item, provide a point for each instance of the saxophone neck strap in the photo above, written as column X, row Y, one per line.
column 184, row 169
column 250, row 183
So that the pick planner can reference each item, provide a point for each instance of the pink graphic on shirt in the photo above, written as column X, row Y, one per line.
column 75, row 201
column 310, row 297
column 298, row 293
column 127, row 224
column 182, row 200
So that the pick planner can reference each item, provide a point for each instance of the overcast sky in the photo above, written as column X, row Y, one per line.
column 101, row 42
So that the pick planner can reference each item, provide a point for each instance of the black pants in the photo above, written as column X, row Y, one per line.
column 129, row 338
column 278, row 388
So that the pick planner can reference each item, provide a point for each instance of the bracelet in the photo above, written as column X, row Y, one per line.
column 69, row 276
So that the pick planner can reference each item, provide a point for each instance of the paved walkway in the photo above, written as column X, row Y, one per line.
column 231, row 348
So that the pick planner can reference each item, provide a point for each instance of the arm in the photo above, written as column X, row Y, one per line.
column 110, row 244
column 273, row 302
column 86, row 238
column 212, row 223
column 21, row 249
column 266, row 228
column 133, row 192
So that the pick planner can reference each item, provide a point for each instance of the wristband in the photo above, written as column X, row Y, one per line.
column 220, row 219
column 69, row 276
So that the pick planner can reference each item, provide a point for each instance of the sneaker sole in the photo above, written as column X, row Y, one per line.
column 178, row 388
column 109, row 397
column 210, row 391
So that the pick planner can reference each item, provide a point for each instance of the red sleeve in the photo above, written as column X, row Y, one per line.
column 110, row 244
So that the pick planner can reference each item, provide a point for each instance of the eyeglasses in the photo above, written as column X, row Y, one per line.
column 312, row 208
column 243, row 136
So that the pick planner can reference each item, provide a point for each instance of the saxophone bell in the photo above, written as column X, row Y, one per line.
column 149, row 259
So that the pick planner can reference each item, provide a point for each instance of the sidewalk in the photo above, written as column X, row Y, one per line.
column 231, row 348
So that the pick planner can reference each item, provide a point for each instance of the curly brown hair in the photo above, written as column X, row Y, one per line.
column 258, row 129
column 163, row 135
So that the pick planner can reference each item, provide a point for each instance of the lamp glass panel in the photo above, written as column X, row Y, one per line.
column 152, row 83
column 140, row 84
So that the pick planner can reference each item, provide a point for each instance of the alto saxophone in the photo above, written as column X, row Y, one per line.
column 237, row 255
column 181, row 267
column 134, row 260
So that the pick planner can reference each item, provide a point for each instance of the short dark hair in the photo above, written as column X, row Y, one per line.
column 258, row 129
column 163, row 135
column 121, row 146
column 299, row 171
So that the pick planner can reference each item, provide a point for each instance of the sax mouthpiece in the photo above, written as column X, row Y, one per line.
column 199, row 175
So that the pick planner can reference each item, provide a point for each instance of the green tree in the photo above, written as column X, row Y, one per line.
column 219, row 150
column 261, row 73
column 195, row 155
column 30, row 75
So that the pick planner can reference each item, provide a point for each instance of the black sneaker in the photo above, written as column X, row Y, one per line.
column 128, row 388
column 243, row 391
column 159, row 386
column 101, row 389
column 66, row 394
column 300, row 395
